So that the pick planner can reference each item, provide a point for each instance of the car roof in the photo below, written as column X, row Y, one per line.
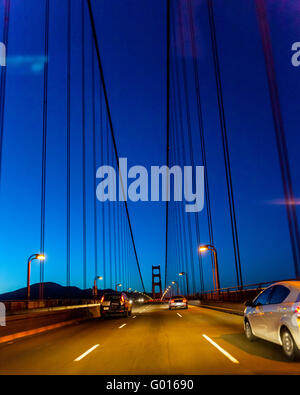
column 291, row 283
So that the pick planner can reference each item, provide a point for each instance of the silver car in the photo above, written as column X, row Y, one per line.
column 178, row 302
column 274, row 315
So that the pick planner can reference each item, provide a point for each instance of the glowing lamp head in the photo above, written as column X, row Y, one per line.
column 41, row 257
column 203, row 248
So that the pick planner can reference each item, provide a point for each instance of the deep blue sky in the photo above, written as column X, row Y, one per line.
column 132, row 42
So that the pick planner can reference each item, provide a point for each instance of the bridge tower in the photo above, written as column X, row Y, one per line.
column 156, row 282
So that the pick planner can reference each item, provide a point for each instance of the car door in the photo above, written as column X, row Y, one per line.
column 256, row 315
column 275, row 310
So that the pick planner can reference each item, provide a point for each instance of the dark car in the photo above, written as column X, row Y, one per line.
column 115, row 303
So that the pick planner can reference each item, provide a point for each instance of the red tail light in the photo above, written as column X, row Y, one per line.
column 297, row 311
column 122, row 298
column 102, row 299
column 172, row 301
column 184, row 300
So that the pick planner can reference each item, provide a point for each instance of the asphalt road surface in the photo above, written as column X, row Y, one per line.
column 153, row 340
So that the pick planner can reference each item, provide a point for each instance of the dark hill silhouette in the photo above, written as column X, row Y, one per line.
column 51, row 291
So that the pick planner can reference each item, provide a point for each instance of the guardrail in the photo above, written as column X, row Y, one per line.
column 236, row 294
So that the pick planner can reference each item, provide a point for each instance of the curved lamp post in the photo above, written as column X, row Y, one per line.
column 209, row 247
column 95, row 285
column 175, row 282
column 40, row 257
column 187, row 282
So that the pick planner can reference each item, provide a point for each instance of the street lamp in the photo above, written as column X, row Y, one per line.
column 118, row 285
column 175, row 282
column 95, row 285
column 40, row 257
column 187, row 282
column 209, row 247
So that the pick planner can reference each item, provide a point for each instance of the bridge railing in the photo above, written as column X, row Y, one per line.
column 236, row 294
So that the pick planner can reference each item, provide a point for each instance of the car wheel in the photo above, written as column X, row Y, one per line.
column 289, row 346
column 169, row 308
column 248, row 331
column 129, row 313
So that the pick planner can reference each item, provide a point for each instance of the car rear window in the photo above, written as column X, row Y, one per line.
column 112, row 297
column 178, row 298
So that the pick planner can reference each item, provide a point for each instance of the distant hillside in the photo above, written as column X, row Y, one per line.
column 51, row 291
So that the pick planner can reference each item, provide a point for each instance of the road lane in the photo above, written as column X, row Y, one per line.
column 259, row 357
column 157, row 341
column 52, row 352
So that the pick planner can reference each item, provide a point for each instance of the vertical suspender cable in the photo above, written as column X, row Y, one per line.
column 102, row 129
column 94, row 162
column 83, row 147
column 109, row 217
column 119, row 243
column 280, row 133
column 200, row 121
column 179, row 142
column 124, row 251
column 44, row 146
column 113, row 134
column 182, row 247
column 189, row 128
column 168, row 133
column 120, row 247
column 181, row 217
column 3, row 77
column 114, row 232
column 225, row 144
column 68, row 138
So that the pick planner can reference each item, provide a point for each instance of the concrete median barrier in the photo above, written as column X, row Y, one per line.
column 30, row 323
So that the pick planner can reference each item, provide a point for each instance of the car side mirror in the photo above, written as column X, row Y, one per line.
column 249, row 303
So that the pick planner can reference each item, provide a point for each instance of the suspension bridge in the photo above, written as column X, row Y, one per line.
column 61, row 120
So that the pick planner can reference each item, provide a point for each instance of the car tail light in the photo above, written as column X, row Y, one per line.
column 184, row 300
column 172, row 301
column 297, row 311
column 122, row 299
column 102, row 299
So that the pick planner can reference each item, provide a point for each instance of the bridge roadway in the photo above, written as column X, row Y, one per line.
column 153, row 340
